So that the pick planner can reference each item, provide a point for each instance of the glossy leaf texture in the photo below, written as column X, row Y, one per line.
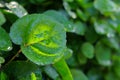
column 2, row 18
column 42, row 39
column 5, row 42
column 60, row 18
column 27, row 71
column 17, row 9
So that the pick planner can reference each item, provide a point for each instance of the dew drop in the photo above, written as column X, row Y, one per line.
column 9, row 48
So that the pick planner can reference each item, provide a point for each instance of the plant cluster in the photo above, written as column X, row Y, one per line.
column 59, row 40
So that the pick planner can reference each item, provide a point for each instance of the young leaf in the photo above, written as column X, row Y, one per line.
column 5, row 43
column 42, row 39
column 88, row 50
column 63, row 70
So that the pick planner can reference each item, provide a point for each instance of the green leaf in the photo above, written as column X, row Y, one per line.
column 90, row 35
column 83, row 3
column 69, row 0
column 106, row 7
column 42, row 39
column 81, row 58
column 112, row 42
column 94, row 74
column 5, row 43
column 111, row 76
column 33, row 77
column 60, row 18
column 36, row 1
column 103, row 28
column 78, row 75
column 17, row 9
column 63, row 70
column 88, row 50
column 2, row 18
column 51, row 72
column 72, row 62
column 81, row 15
column 79, row 28
column 11, row 18
column 116, row 64
column 21, row 70
column 68, row 53
column 2, row 60
column 3, row 76
column 69, row 11
column 103, row 54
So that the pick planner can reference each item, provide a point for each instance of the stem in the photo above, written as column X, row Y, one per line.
column 13, row 57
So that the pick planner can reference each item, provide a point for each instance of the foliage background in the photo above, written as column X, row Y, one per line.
column 93, row 37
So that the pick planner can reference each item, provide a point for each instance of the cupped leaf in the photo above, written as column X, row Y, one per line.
column 2, row 18
column 60, row 18
column 21, row 70
column 5, row 43
column 88, row 50
column 42, row 39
